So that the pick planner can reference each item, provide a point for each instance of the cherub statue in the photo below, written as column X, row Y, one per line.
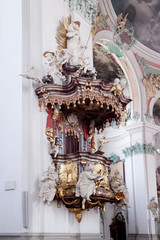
column 118, row 186
column 102, row 141
column 85, row 186
column 62, row 57
column 118, row 86
column 48, row 184
column 53, row 66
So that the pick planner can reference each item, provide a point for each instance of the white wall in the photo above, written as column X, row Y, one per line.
column 40, row 20
column 11, row 114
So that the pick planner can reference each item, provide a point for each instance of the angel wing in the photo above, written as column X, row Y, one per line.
column 62, row 31
column 32, row 77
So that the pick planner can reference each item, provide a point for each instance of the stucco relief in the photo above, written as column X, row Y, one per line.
column 152, row 85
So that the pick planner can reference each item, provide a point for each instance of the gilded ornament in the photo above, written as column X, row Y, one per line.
column 73, row 120
column 121, row 21
column 119, row 195
column 102, row 141
column 68, row 173
column 100, row 168
column 61, row 32
column 83, row 162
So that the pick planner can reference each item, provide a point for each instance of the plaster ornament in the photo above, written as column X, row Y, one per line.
column 152, row 85
column 53, row 66
column 88, row 9
column 48, row 184
column 101, row 23
column 85, row 186
column 121, row 21
column 120, row 189
column 123, row 36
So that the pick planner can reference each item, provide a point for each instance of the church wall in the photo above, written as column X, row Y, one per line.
column 11, row 116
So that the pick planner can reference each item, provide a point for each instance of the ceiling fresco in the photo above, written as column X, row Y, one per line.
column 105, row 64
column 144, row 16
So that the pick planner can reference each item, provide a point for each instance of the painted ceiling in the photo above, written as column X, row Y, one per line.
column 144, row 16
column 106, row 66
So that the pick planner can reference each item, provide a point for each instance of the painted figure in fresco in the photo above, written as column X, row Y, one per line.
column 117, row 185
column 85, row 186
column 49, row 181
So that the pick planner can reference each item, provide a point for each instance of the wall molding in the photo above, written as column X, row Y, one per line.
column 49, row 236
column 139, row 148
column 142, row 236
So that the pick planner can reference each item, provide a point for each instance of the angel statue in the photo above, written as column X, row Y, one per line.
column 119, row 188
column 53, row 66
column 48, row 184
column 68, row 39
column 85, row 186
column 118, row 86
column 74, row 45
column 102, row 141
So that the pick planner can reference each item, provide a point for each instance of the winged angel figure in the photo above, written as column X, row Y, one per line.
column 70, row 50
column 68, row 39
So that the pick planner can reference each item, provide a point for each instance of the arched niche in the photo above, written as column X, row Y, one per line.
column 128, row 64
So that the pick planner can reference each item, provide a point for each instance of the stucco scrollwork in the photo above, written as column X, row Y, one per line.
column 88, row 8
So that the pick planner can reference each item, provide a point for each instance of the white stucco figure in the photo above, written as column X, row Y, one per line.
column 74, row 45
column 48, row 183
column 117, row 184
column 85, row 186
column 120, row 83
column 62, row 57
column 87, row 66
column 118, row 86
column 53, row 66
